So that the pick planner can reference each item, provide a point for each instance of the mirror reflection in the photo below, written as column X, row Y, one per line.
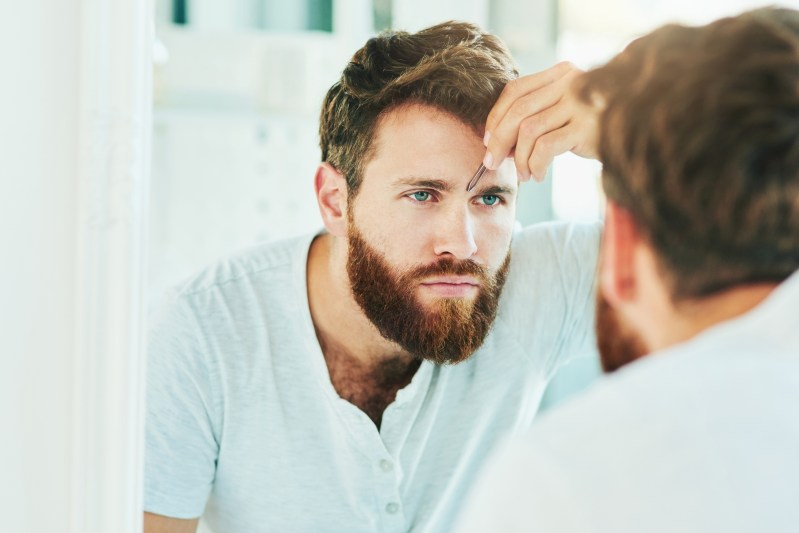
column 343, row 336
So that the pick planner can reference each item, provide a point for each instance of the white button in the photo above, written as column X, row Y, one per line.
column 392, row 508
column 386, row 465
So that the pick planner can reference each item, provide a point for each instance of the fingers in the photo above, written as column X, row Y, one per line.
column 526, row 109
column 531, row 128
column 522, row 103
column 519, row 87
column 548, row 146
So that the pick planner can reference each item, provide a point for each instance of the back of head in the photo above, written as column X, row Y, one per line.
column 700, row 143
column 453, row 66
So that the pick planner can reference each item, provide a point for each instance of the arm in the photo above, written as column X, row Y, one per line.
column 154, row 523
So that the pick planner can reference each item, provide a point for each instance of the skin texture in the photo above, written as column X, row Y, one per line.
column 154, row 523
column 412, row 207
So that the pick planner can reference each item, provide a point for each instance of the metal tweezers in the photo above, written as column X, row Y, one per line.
column 477, row 175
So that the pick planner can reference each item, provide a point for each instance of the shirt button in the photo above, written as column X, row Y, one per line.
column 385, row 465
column 392, row 508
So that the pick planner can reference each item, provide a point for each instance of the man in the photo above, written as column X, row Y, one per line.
column 700, row 144
column 354, row 380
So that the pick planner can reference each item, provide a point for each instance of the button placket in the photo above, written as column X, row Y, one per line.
column 388, row 473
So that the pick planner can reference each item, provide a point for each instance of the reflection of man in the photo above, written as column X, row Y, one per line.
column 311, row 385
column 700, row 145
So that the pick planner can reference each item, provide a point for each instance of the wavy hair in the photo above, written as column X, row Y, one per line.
column 700, row 143
column 454, row 67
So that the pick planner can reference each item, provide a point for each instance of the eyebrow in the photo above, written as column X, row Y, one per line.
column 494, row 190
column 426, row 183
column 443, row 186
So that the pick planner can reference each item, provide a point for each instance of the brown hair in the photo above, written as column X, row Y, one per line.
column 700, row 143
column 452, row 66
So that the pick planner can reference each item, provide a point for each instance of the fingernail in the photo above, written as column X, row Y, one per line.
column 519, row 176
column 486, row 138
column 488, row 160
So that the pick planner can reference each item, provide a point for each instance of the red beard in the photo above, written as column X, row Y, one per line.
column 618, row 346
column 449, row 330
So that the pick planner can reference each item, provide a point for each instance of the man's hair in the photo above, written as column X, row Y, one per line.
column 453, row 66
column 700, row 144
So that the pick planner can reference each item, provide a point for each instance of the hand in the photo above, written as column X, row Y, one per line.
column 540, row 116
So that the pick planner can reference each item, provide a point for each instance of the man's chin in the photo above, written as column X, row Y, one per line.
column 446, row 306
column 437, row 304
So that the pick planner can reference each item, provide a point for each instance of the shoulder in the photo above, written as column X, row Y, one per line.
column 570, row 457
column 230, row 299
column 641, row 409
column 630, row 399
column 551, row 279
column 555, row 256
column 555, row 240
column 245, row 265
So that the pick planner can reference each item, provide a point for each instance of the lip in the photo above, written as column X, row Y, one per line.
column 452, row 280
column 451, row 286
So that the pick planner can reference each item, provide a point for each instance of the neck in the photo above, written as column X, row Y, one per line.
column 687, row 319
column 365, row 369
column 340, row 323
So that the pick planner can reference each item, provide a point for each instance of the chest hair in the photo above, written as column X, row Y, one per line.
column 371, row 388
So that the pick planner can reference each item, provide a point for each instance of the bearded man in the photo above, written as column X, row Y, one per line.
column 355, row 379
column 696, row 429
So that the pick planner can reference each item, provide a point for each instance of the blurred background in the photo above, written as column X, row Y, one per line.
column 238, row 87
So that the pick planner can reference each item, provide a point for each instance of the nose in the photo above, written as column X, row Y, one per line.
column 455, row 234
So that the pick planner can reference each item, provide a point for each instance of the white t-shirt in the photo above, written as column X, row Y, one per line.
column 702, row 437
column 245, row 428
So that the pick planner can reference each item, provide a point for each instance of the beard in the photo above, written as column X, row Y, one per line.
column 447, row 331
column 617, row 344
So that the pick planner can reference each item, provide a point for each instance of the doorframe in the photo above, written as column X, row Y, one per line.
column 115, row 133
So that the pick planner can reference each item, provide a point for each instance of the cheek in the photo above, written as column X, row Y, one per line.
column 494, row 240
column 401, row 242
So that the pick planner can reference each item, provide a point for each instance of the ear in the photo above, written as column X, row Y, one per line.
column 331, row 195
column 617, row 278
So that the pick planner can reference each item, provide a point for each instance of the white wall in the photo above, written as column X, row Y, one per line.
column 73, row 165
column 235, row 143
column 39, row 52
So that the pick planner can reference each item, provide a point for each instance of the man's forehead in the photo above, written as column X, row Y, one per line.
column 407, row 111
column 425, row 146
column 419, row 123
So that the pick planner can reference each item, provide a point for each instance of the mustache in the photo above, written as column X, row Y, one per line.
column 466, row 267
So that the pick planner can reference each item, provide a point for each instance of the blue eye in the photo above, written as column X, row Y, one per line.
column 421, row 196
column 490, row 199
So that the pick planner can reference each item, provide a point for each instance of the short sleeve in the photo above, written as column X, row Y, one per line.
column 181, row 436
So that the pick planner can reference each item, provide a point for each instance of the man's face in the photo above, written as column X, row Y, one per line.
column 427, row 260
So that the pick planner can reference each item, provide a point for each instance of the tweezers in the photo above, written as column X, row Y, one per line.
column 477, row 175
